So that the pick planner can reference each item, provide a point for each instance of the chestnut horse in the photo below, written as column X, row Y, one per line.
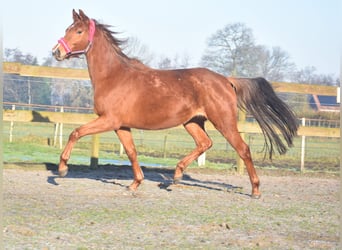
column 129, row 94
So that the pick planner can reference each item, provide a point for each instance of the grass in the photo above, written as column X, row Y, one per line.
column 36, row 153
column 32, row 143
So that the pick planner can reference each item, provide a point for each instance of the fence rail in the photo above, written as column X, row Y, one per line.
column 82, row 74
column 77, row 118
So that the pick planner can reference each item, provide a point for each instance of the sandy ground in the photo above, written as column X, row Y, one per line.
column 92, row 209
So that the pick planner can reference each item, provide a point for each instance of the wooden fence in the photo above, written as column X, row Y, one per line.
column 74, row 118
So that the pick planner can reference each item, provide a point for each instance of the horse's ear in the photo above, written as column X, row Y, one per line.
column 75, row 16
column 83, row 16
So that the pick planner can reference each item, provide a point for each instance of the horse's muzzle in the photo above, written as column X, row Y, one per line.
column 57, row 53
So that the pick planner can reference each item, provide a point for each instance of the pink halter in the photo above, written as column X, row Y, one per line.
column 91, row 32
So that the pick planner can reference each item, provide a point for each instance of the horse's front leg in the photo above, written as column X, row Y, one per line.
column 101, row 124
column 65, row 156
column 126, row 139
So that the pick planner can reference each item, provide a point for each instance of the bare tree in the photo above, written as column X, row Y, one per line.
column 182, row 61
column 230, row 50
column 274, row 64
column 16, row 55
column 178, row 62
column 134, row 48
column 164, row 63
column 308, row 75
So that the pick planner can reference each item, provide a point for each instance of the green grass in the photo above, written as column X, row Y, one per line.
column 36, row 153
column 32, row 142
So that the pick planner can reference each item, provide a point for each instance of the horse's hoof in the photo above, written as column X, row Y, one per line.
column 63, row 172
column 256, row 196
column 131, row 189
column 134, row 186
column 177, row 180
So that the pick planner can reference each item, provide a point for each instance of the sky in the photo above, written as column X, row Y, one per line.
column 308, row 30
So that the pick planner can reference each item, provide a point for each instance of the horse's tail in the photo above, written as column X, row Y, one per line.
column 256, row 96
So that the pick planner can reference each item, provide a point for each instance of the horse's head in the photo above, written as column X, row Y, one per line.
column 78, row 37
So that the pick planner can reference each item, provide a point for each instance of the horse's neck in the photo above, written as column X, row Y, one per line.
column 103, row 61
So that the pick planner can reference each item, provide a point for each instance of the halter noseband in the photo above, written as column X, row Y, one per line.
column 91, row 32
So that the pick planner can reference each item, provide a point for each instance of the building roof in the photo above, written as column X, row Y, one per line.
column 324, row 103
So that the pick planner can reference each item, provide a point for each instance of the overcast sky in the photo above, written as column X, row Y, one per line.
column 309, row 30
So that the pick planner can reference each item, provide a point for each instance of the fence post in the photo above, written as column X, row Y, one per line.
column 61, row 132
column 11, row 127
column 201, row 160
column 94, row 158
column 55, row 134
column 121, row 150
column 303, row 150
column 240, row 163
column 164, row 149
column 338, row 95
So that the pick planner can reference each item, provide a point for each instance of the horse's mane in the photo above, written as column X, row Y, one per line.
column 115, row 42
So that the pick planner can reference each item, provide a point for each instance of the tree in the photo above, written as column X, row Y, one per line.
column 308, row 75
column 274, row 64
column 176, row 63
column 134, row 48
column 232, row 51
column 164, row 63
column 16, row 55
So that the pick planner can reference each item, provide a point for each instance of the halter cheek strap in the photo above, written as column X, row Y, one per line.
column 91, row 33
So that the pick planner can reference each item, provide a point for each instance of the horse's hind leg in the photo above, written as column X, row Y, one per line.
column 195, row 128
column 229, row 130
column 126, row 139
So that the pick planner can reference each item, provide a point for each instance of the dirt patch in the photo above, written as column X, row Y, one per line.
column 91, row 209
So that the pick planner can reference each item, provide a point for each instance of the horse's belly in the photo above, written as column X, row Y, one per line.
column 155, row 121
column 158, row 118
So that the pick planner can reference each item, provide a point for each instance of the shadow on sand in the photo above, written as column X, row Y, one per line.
column 164, row 176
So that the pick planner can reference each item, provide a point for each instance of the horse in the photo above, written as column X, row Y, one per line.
column 129, row 94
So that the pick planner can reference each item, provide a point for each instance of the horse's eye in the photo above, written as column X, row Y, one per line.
column 79, row 32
